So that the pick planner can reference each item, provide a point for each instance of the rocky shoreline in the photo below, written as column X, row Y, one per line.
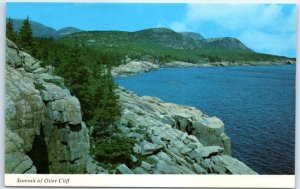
column 44, row 131
column 137, row 67
column 175, row 139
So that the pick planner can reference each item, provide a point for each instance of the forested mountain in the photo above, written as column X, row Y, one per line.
column 157, row 45
column 40, row 30
column 164, row 45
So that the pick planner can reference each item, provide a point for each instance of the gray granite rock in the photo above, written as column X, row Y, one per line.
column 139, row 170
column 16, row 161
column 13, row 57
column 133, row 67
column 123, row 169
column 231, row 165
column 177, row 139
column 39, row 106
column 150, row 148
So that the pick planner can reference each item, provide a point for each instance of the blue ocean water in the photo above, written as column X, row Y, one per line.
column 256, row 103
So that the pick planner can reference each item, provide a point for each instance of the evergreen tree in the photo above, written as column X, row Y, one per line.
column 76, row 73
column 106, row 101
column 10, row 33
column 87, row 74
column 25, row 36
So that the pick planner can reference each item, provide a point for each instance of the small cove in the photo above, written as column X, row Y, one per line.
column 256, row 104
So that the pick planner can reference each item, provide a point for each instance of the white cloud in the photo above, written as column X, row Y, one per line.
column 178, row 26
column 263, row 27
column 160, row 25
column 278, row 43
column 242, row 16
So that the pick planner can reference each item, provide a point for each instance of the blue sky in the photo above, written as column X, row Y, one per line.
column 266, row 28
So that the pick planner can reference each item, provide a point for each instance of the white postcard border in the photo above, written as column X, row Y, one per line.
column 105, row 180
column 86, row 180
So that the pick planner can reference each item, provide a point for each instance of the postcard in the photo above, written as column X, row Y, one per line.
column 129, row 94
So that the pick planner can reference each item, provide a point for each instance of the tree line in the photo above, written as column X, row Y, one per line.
column 87, row 74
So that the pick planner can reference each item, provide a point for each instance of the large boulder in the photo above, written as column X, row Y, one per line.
column 150, row 148
column 210, row 131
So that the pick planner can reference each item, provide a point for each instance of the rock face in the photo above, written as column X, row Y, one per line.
column 174, row 139
column 44, row 128
column 16, row 161
column 133, row 67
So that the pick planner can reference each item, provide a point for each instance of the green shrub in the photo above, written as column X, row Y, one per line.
column 38, row 86
column 114, row 150
column 129, row 124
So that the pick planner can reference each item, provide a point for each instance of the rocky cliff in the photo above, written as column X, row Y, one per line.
column 174, row 139
column 44, row 129
column 45, row 133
